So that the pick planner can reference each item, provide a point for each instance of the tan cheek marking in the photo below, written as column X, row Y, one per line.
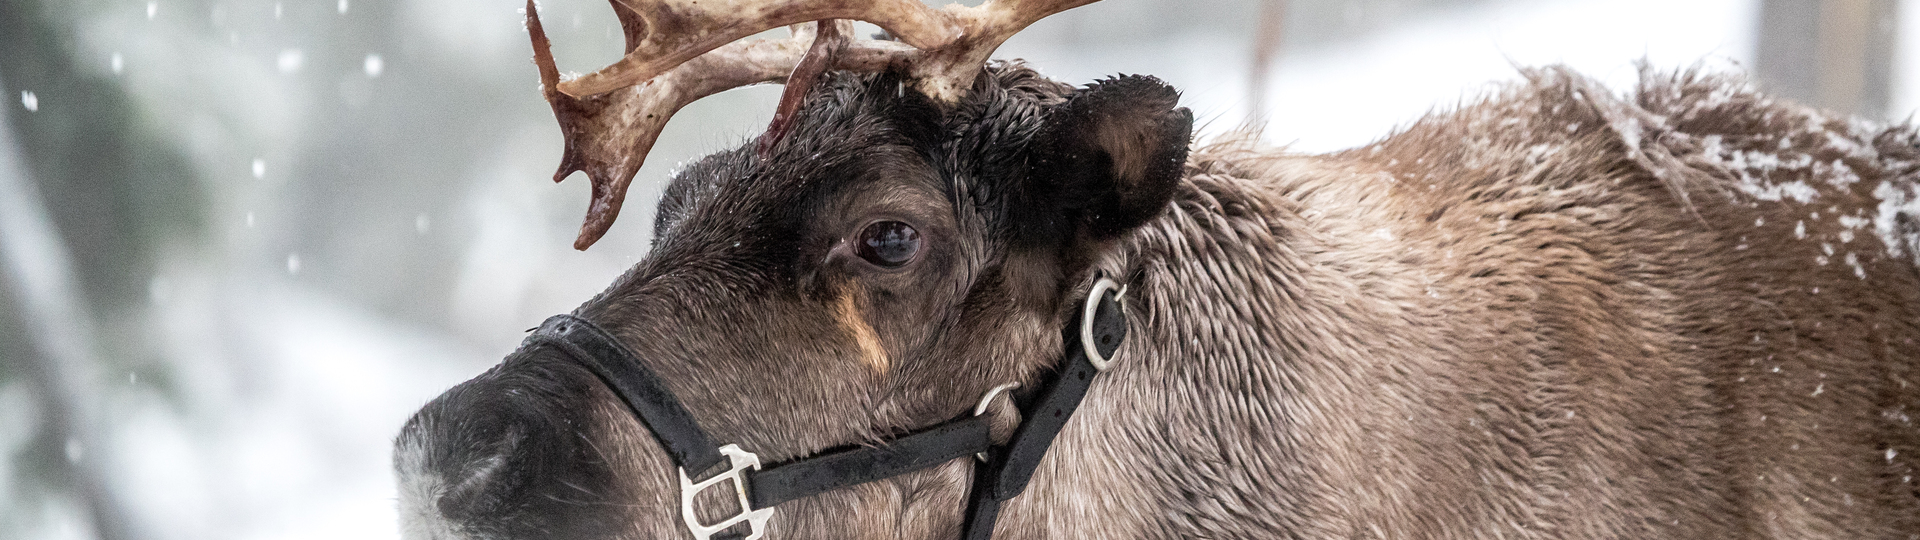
column 855, row 323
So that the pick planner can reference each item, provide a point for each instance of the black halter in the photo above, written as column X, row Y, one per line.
column 1004, row 475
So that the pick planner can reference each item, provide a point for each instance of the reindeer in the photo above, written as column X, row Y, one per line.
column 948, row 297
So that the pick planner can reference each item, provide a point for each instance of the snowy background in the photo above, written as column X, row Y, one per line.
column 241, row 240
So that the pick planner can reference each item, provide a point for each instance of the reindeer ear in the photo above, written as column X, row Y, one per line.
column 1112, row 154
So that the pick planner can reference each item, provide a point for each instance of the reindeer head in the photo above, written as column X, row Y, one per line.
column 905, row 237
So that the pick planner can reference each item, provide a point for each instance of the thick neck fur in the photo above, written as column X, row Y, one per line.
column 1556, row 314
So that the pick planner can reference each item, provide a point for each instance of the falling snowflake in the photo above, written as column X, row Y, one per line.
column 291, row 59
column 374, row 65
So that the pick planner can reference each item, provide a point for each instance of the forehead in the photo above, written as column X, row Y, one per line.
column 736, row 192
column 850, row 139
column 861, row 141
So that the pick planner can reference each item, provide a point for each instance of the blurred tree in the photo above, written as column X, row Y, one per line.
column 1267, row 36
column 1834, row 54
column 106, row 192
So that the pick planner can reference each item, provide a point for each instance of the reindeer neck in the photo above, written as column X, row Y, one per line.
column 1228, row 345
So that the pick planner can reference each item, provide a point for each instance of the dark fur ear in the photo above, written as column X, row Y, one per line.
column 1111, row 155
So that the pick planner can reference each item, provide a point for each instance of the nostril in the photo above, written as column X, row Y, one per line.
column 509, row 453
column 474, row 445
column 453, row 471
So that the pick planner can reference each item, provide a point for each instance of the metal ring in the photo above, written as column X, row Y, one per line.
column 988, row 399
column 1087, row 312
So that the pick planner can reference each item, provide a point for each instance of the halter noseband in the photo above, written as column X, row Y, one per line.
column 1091, row 342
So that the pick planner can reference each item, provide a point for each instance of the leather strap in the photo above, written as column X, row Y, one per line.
column 819, row 474
column 1010, row 469
column 694, row 451
column 1003, row 477
column 639, row 387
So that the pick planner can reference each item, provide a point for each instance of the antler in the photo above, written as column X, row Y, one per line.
column 661, row 35
column 679, row 51
column 946, row 72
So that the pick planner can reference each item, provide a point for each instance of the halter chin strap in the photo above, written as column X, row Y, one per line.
column 1090, row 343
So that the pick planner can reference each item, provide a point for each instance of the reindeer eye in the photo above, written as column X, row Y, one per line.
column 889, row 244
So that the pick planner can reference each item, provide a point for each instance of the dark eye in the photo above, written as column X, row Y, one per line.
column 887, row 243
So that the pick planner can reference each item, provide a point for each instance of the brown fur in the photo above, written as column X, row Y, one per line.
column 1558, row 313
column 1503, row 323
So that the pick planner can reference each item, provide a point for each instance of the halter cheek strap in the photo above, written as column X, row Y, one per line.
column 1090, row 344
column 1010, row 468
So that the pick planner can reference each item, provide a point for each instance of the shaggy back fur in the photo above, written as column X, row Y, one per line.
column 1554, row 314
column 1691, row 313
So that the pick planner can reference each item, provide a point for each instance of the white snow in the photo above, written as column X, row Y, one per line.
column 1756, row 170
column 1854, row 222
column 30, row 100
column 1895, row 201
column 1796, row 191
column 373, row 65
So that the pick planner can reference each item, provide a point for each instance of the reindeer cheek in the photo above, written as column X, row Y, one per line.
column 853, row 322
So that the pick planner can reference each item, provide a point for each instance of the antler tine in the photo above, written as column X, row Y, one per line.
column 682, row 50
column 662, row 34
column 608, row 135
column 946, row 73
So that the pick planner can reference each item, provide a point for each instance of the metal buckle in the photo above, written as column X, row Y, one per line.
column 738, row 461
column 1087, row 312
column 986, row 401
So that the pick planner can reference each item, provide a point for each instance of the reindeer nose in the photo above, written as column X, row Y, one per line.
column 459, row 458
column 510, row 454
column 483, row 477
column 494, row 452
